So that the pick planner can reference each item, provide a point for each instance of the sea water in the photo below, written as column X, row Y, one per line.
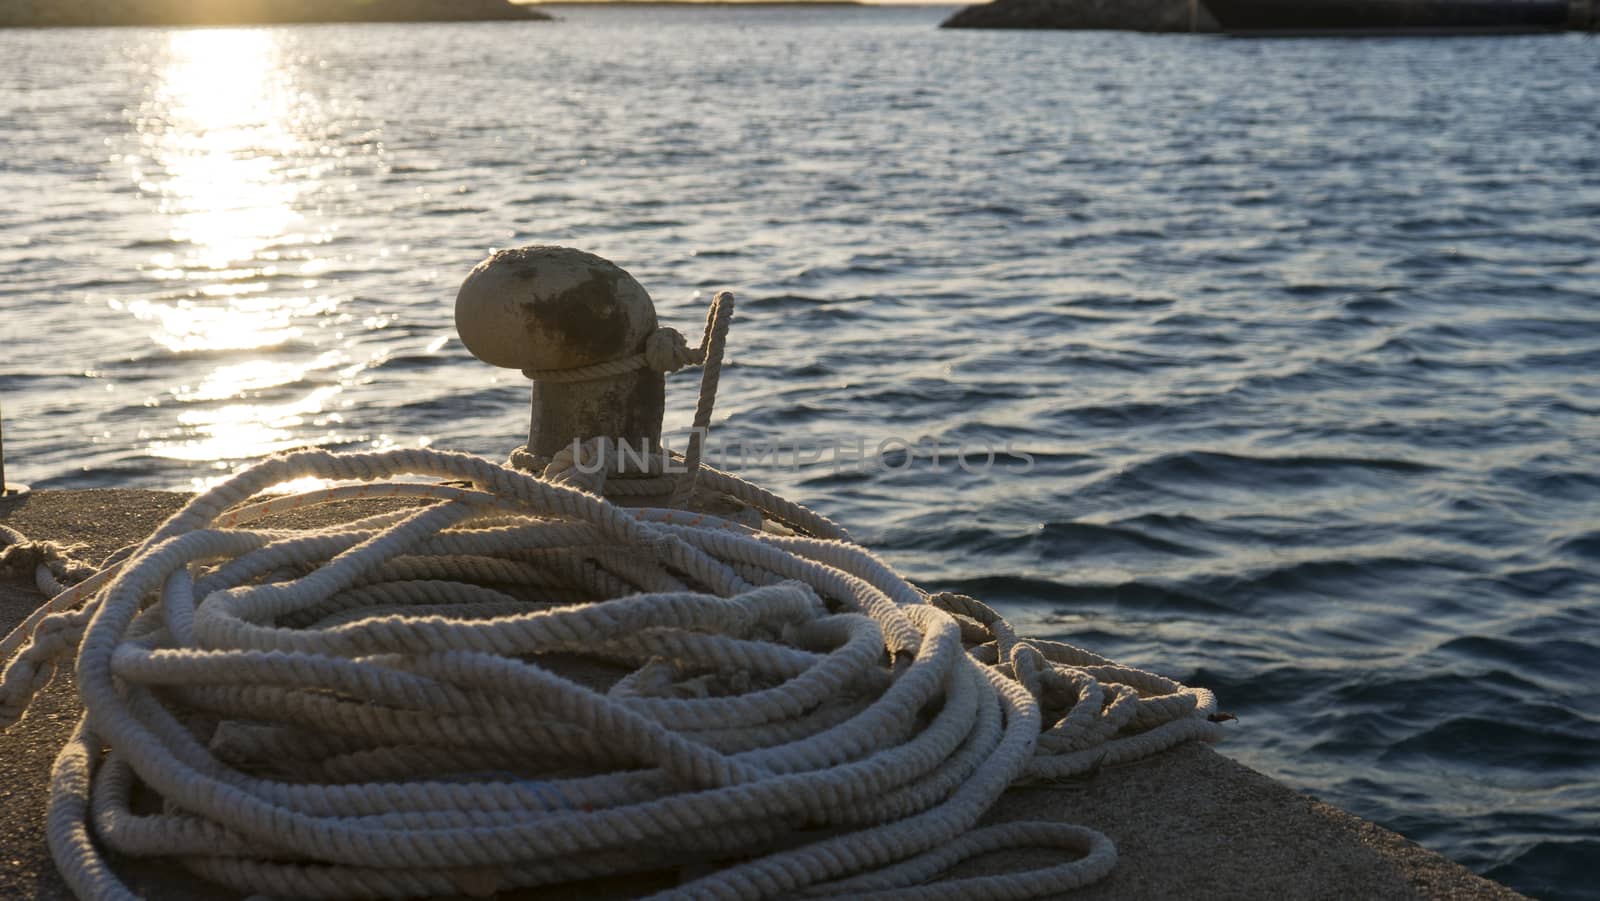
column 1299, row 338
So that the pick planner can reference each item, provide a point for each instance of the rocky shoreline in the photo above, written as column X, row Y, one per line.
column 1122, row 15
column 56, row 13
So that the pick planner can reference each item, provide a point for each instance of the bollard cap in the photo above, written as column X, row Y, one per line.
column 545, row 307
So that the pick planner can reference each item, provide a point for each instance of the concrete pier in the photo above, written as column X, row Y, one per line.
column 1189, row 823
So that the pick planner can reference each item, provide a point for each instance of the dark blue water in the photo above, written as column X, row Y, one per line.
column 1302, row 336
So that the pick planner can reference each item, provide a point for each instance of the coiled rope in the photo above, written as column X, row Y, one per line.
column 521, row 683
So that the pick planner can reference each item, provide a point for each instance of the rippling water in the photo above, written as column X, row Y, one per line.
column 1301, row 335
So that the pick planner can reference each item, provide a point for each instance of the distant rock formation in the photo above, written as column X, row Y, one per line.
column 1121, row 15
column 47, row 13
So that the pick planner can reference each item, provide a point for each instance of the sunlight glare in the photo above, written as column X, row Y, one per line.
column 225, row 137
column 229, row 112
column 244, row 431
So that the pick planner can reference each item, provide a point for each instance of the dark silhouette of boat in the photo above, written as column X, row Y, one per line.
column 1360, row 17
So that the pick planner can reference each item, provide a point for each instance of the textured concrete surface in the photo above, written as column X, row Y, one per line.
column 1188, row 824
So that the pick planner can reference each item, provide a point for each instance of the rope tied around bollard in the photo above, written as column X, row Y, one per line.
column 666, row 351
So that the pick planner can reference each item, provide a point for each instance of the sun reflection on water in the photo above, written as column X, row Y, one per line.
column 229, row 110
column 262, row 428
column 231, row 148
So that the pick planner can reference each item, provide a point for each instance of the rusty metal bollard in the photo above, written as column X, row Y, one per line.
column 556, row 308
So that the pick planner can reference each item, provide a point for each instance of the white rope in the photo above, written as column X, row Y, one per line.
column 371, row 710
column 520, row 683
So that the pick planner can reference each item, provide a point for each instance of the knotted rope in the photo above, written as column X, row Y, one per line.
column 52, row 564
column 520, row 683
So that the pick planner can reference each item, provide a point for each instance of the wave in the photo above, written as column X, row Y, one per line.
column 1584, row 547
column 1066, row 542
column 1519, row 737
column 1119, row 303
column 1138, row 595
column 1084, row 540
column 1559, row 662
column 35, row 381
column 419, row 362
column 1363, row 579
column 1554, row 869
column 1369, row 304
column 550, row 199
column 454, row 211
column 1583, row 362
column 1292, row 473
column 794, row 301
column 156, row 357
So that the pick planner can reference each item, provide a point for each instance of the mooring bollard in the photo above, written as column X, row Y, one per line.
column 548, row 310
